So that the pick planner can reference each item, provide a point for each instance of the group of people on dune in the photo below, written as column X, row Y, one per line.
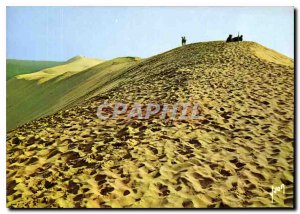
column 239, row 38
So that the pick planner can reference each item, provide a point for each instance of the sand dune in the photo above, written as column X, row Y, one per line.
column 16, row 67
column 72, row 67
column 28, row 100
column 230, row 157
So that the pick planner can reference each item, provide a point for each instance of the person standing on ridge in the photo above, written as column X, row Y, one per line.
column 183, row 40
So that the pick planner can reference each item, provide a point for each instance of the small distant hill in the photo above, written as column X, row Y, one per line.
column 16, row 67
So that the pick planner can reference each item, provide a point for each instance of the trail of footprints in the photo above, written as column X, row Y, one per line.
column 230, row 157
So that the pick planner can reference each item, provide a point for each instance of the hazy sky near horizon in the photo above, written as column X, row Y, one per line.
column 60, row 33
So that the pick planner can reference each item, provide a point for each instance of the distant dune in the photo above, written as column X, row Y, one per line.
column 232, row 156
column 16, row 67
column 31, row 96
column 71, row 67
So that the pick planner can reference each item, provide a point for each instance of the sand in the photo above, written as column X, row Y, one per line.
column 241, row 145
column 28, row 100
column 70, row 68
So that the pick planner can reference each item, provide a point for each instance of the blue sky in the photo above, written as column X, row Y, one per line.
column 59, row 33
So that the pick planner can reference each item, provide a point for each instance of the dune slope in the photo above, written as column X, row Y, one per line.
column 38, row 94
column 241, row 146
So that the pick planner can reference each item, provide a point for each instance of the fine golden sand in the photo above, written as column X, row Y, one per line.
column 241, row 146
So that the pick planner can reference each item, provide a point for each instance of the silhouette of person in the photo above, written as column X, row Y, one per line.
column 229, row 39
